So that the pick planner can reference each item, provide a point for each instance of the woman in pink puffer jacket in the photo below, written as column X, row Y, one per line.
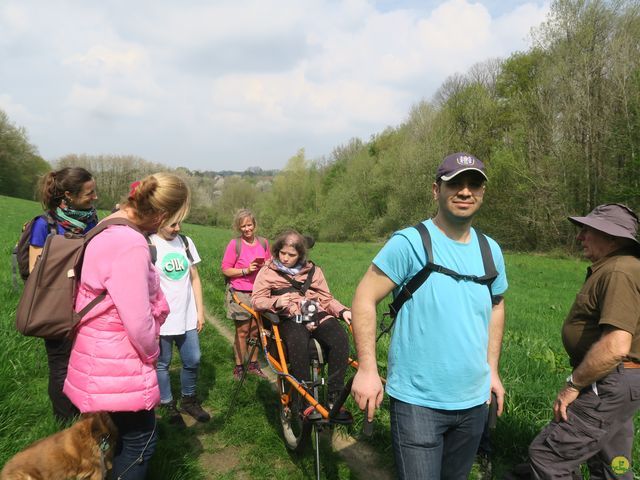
column 113, row 361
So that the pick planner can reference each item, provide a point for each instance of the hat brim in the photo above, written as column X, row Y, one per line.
column 446, row 178
column 603, row 226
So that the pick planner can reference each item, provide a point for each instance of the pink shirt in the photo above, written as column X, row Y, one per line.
column 247, row 254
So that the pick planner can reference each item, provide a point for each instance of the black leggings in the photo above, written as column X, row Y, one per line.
column 333, row 340
column 58, row 353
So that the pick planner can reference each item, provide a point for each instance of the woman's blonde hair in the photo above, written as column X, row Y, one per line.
column 240, row 216
column 157, row 194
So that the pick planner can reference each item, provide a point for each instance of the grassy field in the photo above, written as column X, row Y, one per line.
column 249, row 444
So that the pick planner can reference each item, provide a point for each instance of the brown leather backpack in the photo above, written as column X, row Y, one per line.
column 46, row 308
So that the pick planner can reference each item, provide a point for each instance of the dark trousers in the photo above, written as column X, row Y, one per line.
column 434, row 444
column 137, row 438
column 333, row 340
column 599, row 431
column 58, row 352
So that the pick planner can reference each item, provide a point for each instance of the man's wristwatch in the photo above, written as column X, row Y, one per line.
column 570, row 383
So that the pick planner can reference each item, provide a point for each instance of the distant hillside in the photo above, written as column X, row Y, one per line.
column 249, row 172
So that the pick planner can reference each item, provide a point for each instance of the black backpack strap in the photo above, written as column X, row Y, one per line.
column 296, row 286
column 186, row 246
column 407, row 291
column 490, row 272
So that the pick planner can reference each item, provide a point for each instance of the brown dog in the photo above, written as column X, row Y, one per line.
column 82, row 451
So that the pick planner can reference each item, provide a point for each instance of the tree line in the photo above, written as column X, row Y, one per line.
column 558, row 127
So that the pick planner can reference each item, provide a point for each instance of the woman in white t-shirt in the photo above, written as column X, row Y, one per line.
column 177, row 260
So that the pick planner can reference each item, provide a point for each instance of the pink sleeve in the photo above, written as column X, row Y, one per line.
column 261, row 298
column 130, row 289
column 229, row 258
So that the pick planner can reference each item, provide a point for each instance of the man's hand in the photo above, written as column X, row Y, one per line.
column 367, row 391
column 496, row 386
column 565, row 398
column 200, row 323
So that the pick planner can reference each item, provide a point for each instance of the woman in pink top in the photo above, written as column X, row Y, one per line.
column 112, row 366
column 242, row 259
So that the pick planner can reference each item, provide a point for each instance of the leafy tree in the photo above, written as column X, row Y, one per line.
column 20, row 164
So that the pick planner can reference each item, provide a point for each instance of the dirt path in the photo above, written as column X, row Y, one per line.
column 360, row 457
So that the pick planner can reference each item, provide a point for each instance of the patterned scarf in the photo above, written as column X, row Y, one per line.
column 74, row 221
column 293, row 271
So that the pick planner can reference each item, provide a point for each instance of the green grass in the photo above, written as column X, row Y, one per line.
column 533, row 366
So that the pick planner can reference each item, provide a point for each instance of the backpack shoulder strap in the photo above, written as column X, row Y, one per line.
column 51, row 222
column 407, row 291
column 296, row 286
column 261, row 240
column 104, row 224
column 490, row 271
column 187, row 250
column 238, row 249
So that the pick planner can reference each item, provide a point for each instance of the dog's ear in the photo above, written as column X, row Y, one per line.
column 101, row 424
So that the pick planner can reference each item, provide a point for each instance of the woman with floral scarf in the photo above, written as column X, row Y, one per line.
column 68, row 197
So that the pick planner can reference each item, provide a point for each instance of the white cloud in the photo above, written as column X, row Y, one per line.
column 188, row 77
column 101, row 101
column 104, row 60
column 18, row 113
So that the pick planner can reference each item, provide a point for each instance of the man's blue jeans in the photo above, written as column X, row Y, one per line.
column 431, row 444
column 189, row 349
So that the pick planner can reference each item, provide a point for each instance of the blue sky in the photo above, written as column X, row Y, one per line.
column 213, row 85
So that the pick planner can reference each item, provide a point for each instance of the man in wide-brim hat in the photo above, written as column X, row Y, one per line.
column 594, row 411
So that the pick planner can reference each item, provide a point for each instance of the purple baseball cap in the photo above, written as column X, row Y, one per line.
column 457, row 163
column 614, row 219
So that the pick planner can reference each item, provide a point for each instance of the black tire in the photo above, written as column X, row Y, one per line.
column 296, row 431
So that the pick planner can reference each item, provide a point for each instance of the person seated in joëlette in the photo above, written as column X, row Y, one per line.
column 296, row 289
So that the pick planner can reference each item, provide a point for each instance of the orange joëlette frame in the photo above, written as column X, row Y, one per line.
column 279, row 366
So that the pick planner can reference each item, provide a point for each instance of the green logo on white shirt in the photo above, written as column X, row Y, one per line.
column 175, row 266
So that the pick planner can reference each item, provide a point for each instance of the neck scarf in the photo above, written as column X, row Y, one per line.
column 293, row 271
column 74, row 221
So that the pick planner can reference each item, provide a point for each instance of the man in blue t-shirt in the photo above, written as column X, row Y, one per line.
column 443, row 357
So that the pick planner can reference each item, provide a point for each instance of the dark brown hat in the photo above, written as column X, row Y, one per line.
column 614, row 219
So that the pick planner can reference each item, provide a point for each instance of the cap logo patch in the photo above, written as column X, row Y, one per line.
column 465, row 160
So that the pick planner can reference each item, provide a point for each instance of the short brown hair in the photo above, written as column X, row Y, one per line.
column 241, row 215
column 291, row 238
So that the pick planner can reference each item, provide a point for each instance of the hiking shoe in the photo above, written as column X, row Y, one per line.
column 170, row 412
column 191, row 406
column 238, row 370
column 254, row 369
column 343, row 416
